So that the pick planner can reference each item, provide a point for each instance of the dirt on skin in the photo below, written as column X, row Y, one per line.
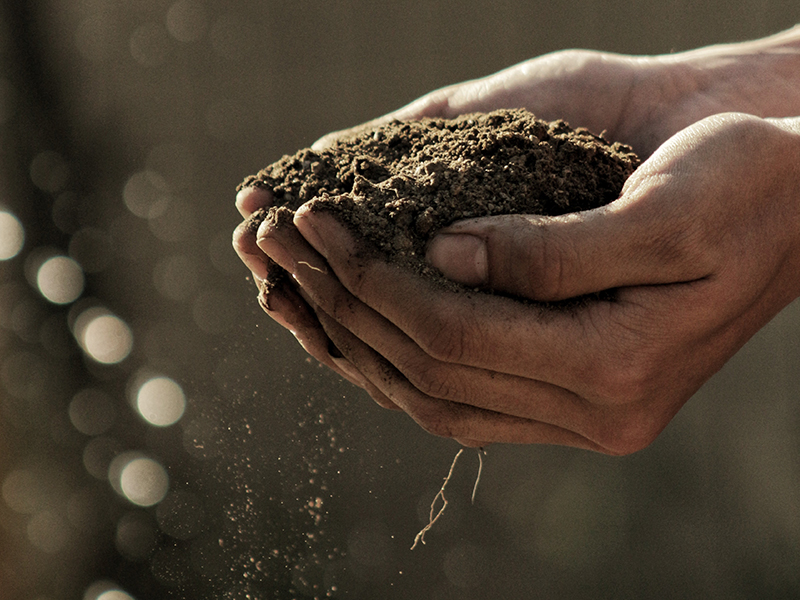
column 395, row 186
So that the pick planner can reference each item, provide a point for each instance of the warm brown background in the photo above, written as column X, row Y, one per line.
column 205, row 93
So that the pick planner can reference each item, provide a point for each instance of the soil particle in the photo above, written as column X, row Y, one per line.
column 397, row 185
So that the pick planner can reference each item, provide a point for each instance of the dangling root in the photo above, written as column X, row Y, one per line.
column 435, row 517
column 481, row 452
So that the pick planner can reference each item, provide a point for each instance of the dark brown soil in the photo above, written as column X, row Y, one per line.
column 397, row 185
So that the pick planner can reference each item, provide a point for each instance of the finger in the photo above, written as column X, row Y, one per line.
column 497, row 392
column 340, row 364
column 244, row 243
column 379, row 397
column 556, row 258
column 472, row 443
column 608, row 352
column 612, row 395
column 447, row 419
column 286, row 306
column 454, row 382
column 474, row 329
column 643, row 238
column 299, row 314
column 293, row 309
column 250, row 199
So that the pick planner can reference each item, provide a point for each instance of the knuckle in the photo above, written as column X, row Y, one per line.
column 441, row 337
column 625, row 381
column 629, row 434
column 435, row 380
column 548, row 258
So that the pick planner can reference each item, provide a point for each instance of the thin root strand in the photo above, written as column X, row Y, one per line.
column 434, row 514
column 481, row 452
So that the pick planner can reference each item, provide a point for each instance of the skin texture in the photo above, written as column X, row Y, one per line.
column 702, row 248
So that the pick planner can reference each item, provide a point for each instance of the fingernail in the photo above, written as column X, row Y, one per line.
column 277, row 253
column 304, row 225
column 460, row 257
column 250, row 199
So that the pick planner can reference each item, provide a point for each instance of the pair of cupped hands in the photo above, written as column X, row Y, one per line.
column 701, row 249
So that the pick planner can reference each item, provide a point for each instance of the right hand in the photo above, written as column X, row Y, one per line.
column 702, row 249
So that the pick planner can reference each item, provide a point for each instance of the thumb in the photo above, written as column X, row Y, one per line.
column 623, row 244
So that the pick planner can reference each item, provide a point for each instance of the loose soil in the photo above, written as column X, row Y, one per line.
column 395, row 186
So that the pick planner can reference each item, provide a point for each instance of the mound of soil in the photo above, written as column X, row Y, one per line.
column 397, row 185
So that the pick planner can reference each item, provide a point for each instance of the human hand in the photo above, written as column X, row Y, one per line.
column 701, row 249
column 638, row 100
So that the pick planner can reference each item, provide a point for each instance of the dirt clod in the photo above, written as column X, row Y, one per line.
column 397, row 185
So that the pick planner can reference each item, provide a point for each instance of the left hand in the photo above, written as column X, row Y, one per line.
column 702, row 249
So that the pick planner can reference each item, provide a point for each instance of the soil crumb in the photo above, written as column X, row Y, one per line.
column 395, row 186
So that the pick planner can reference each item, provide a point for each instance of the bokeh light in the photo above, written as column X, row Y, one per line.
column 115, row 595
column 104, row 337
column 136, row 535
column 105, row 590
column 60, row 280
column 48, row 532
column 92, row 411
column 149, row 44
column 98, row 456
column 142, row 480
column 187, row 20
column 145, row 194
column 12, row 235
column 24, row 491
column 175, row 277
column 151, row 113
column 161, row 401
column 49, row 171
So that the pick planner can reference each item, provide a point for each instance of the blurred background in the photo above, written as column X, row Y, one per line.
column 160, row 437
